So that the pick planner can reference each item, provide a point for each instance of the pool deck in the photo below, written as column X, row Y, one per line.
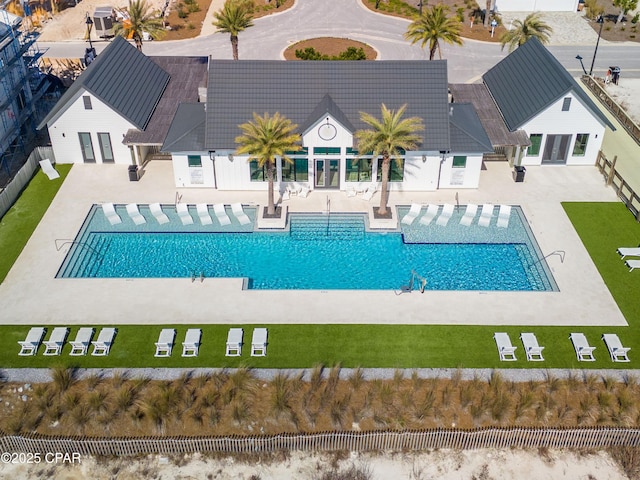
column 32, row 295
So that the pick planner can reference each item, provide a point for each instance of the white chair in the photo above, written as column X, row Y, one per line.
column 584, row 351
column 632, row 264
column 164, row 345
column 238, row 212
column 182, row 209
column 203, row 214
column 135, row 215
column 445, row 215
column 469, row 215
column 304, row 191
column 102, row 346
column 430, row 214
column 413, row 213
column 506, row 350
column 80, row 345
column 616, row 350
column 191, row 344
column 29, row 346
column 259, row 342
column 221, row 214
column 48, row 169
column 531, row 347
column 156, row 211
column 351, row 191
column 486, row 214
column 110, row 212
column 370, row 192
column 234, row 342
column 53, row 346
column 629, row 252
column 503, row 216
column 293, row 190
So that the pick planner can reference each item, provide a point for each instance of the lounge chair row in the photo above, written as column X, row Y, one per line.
column 58, row 337
column 193, row 338
column 367, row 192
column 182, row 209
column 630, row 252
column 584, row 351
column 484, row 220
column 299, row 190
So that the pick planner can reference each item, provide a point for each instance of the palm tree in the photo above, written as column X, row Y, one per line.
column 235, row 17
column 263, row 139
column 432, row 26
column 523, row 30
column 140, row 20
column 387, row 137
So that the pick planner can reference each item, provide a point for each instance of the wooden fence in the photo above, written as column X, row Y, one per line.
column 12, row 191
column 511, row 437
column 624, row 119
column 623, row 189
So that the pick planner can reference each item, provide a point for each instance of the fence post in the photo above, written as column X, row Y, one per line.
column 612, row 171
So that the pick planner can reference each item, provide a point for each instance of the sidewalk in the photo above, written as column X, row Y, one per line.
column 207, row 25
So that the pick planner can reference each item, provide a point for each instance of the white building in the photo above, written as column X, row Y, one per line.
column 536, row 5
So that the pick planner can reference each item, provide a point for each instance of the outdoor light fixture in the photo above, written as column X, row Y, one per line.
column 231, row 157
column 579, row 58
column 600, row 20
column 212, row 154
column 424, row 159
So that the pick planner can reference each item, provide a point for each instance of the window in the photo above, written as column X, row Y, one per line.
column 194, row 160
column 258, row 174
column 104, row 141
column 87, row 147
column 580, row 147
column 566, row 104
column 298, row 171
column 87, row 102
column 459, row 161
column 358, row 170
column 195, row 169
column 534, row 148
column 396, row 172
column 326, row 150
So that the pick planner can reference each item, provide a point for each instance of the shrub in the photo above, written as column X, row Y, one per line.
column 594, row 9
column 351, row 53
column 182, row 13
column 635, row 18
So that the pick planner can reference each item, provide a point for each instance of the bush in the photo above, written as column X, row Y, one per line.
column 183, row 13
column 351, row 53
column 594, row 9
column 635, row 18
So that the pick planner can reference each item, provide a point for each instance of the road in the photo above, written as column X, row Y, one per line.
column 347, row 18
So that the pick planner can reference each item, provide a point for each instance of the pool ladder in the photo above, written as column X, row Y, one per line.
column 560, row 253
column 409, row 288
column 193, row 276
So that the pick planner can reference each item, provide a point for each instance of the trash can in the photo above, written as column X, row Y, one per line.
column 518, row 174
column 133, row 173
column 615, row 74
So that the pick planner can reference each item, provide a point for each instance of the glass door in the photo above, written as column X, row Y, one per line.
column 320, row 174
column 327, row 173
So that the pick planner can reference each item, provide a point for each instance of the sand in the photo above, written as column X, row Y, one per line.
column 627, row 94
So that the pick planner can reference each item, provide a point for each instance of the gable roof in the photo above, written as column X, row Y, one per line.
column 326, row 106
column 530, row 79
column 467, row 132
column 110, row 78
column 186, row 133
column 237, row 89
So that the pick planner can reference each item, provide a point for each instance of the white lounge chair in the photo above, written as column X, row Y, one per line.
column 632, row 264
column 503, row 216
column 370, row 192
column 221, row 214
column 531, row 347
column 234, row 342
column 238, row 212
column 53, row 346
column 29, row 346
column 506, row 350
column 486, row 214
column 304, row 191
column 616, row 350
column 430, row 214
column 351, row 191
column 629, row 251
column 48, row 169
column 203, row 214
column 102, row 346
column 110, row 212
column 413, row 213
column 191, row 344
column 164, row 345
column 156, row 211
column 182, row 209
column 259, row 342
column 469, row 215
column 134, row 213
column 584, row 351
column 293, row 190
column 445, row 215
column 80, row 345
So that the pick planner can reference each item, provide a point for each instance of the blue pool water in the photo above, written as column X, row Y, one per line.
column 318, row 252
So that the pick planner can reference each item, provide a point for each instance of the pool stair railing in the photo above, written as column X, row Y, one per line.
column 178, row 198
column 193, row 276
column 560, row 253
column 334, row 226
column 409, row 287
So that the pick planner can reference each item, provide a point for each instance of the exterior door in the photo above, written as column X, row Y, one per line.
column 86, row 145
column 556, row 149
column 327, row 174
column 105, row 147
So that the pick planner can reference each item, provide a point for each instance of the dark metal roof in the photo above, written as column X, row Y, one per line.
column 186, row 133
column 530, row 79
column 187, row 74
column 490, row 117
column 124, row 79
column 237, row 89
column 467, row 133
column 326, row 106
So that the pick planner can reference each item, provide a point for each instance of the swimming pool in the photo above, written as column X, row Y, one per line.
column 318, row 252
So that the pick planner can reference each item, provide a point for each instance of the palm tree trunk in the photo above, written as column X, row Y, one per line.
column 271, row 206
column 137, row 39
column 234, row 46
column 486, row 13
column 384, row 194
column 432, row 51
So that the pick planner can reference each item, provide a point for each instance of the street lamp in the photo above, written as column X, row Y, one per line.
column 600, row 20
column 579, row 58
column 89, row 53
column 89, row 23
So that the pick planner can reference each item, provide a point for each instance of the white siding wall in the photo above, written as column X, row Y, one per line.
column 185, row 176
column 535, row 5
column 554, row 121
column 236, row 174
column 468, row 177
column 100, row 119
column 312, row 139
column 418, row 175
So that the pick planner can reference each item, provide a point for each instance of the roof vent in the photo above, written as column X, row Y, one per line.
column 202, row 94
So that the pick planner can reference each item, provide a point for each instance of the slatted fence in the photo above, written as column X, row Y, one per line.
column 623, row 189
